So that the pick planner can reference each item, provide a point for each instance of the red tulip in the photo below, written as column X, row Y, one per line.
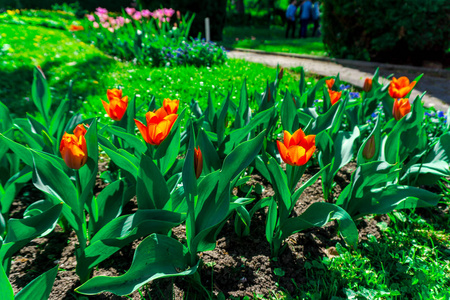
column 296, row 149
column 171, row 106
column 330, row 83
column 198, row 162
column 367, row 85
column 73, row 148
column 401, row 108
column 159, row 124
column 334, row 96
column 399, row 88
column 117, row 105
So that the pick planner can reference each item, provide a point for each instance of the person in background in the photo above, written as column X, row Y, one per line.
column 305, row 17
column 316, row 17
column 290, row 18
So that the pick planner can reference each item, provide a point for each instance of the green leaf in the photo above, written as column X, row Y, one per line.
column 317, row 215
column 132, row 140
column 157, row 256
column 125, row 229
column 244, row 113
column 88, row 173
column 151, row 189
column 220, row 128
column 376, row 134
column 41, row 93
column 239, row 159
column 211, row 160
column 59, row 117
column 123, row 159
column 13, row 187
column 289, row 118
column 280, row 184
column 40, row 287
column 189, row 177
column 6, row 290
column 271, row 221
column 22, row 231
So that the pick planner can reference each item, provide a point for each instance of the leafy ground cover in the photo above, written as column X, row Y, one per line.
column 271, row 39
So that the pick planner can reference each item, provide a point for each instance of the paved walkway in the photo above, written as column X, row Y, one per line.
column 436, row 85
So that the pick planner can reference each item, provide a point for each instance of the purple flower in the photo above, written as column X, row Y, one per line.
column 90, row 18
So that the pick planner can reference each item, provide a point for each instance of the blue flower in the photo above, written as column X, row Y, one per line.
column 374, row 115
column 440, row 114
column 344, row 87
column 354, row 95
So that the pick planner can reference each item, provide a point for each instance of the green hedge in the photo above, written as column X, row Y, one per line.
column 397, row 31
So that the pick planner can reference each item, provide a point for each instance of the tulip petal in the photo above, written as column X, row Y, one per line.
column 143, row 130
column 287, row 138
column 283, row 152
column 297, row 138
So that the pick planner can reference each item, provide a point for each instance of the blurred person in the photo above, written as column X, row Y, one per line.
column 316, row 18
column 305, row 17
column 290, row 18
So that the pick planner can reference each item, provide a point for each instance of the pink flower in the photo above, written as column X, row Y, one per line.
column 178, row 15
column 111, row 29
column 120, row 21
column 105, row 25
column 168, row 12
column 137, row 16
column 127, row 21
column 95, row 24
column 146, row 13
column 90, row 18
column 102, row 11
column 130, row 10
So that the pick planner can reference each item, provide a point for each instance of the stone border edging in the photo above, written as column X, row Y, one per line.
column 440, row 72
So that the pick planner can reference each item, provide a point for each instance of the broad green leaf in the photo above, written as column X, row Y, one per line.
column 88, row 173
column 59, row 117
column 132, row 140
column 124, row 160
column 211, row 160
column 6, row 290
column 239, row 159
column 280, row 184
column 317, row 215
column 22, row 231
column 40, row 287
column 244, row 113
column 220, row 128
column 189, row 177
column 157, row 256
column 271, row 221
column 151, row 189
column 41, row 93
column 289, row 118
column 13, row 187
column 123, row 230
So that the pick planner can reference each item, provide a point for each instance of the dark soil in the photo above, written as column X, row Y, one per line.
column 238, row 267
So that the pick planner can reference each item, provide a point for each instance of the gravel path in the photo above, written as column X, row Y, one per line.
column 436, row 85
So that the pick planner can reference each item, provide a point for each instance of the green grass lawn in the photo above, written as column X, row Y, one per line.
column 273, row 40
column 63, row 58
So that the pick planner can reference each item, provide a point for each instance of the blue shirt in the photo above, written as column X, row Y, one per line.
column 306, row 9
column 290, row 12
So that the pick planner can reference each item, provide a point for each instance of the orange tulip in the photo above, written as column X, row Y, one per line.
column 330, row 83
column 73, row 148
column 297, row 149
column 367, row 85
column 76, row 28
column 401, row 108
column 198, row 162
column 369, row 148
column 159, row 124
column 117, row 105
column 399, row 88
column 334, row 96
column 171, row 106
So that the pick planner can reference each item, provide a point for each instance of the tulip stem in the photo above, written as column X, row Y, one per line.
column 78, row 182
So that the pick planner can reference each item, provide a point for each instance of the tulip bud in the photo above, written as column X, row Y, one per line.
column 73, row 148
column 117, row 105
column 334, row 96
column 330, row 83
column 367, row 85
column 280, row 75
column 198, row 162
column 369, row 148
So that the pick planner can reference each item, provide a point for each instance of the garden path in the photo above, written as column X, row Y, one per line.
column 435, row 82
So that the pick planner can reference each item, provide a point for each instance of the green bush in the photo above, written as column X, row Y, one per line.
column 396, row 31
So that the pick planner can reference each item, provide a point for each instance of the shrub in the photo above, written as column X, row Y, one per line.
column 149, row 37
column 390, row 31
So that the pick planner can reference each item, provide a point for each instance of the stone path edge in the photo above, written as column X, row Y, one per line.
column 439, row 72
